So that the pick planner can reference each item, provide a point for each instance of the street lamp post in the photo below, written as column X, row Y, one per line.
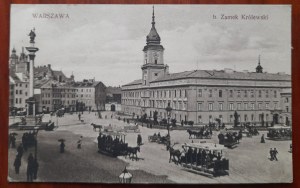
column 125, row 177
column 168, row 109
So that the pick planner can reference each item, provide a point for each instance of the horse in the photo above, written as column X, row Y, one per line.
column 133, row 151
column 96, row 126
column 195, row 133
column 174, row 153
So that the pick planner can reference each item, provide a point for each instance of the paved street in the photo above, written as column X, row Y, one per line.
column 248, row 162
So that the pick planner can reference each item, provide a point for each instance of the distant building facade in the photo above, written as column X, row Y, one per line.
column 20, row 89
column 202, row 96
column 113, row 99
column 92, row 94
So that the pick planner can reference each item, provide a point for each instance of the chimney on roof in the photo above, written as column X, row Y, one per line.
column 49, row 66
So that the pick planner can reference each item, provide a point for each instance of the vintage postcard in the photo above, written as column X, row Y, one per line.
column 168, row 94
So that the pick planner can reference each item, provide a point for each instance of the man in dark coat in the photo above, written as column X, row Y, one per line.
column 20, row 150
column 275, row 152
column 35, row 168
column 62, row 147
column 13, row 141
column 262, row 140
column 30, row 161
column 271, row 154
column 17, row 164
column 139, row 140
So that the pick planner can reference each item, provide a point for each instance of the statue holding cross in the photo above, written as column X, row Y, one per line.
column 32, row 35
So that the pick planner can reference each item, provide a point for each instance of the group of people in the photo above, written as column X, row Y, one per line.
column 230, row 137
column 28, row 140
column 106, row 142
column 280, row 133
column 200, row 157
column 273, row 154
column 32, row 164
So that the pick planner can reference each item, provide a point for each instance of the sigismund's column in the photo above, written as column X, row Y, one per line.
column 31, row 49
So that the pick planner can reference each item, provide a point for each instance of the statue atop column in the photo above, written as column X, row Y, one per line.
column 32, row 35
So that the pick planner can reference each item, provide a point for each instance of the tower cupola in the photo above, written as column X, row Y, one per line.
column 153, row 37
column 259, row 68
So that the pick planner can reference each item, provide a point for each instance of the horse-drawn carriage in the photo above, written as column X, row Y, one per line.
column 131, row 128
column 159, row 139
column 279, row 133
column 229, row 138
column 203, row 133
column 205, row 158
column 112, row 143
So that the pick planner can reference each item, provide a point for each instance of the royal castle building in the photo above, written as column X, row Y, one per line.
column 202, row 96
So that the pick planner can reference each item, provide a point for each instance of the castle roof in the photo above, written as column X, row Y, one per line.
column 225, row 74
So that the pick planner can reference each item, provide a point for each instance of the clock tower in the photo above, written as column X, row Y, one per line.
column 153, row 66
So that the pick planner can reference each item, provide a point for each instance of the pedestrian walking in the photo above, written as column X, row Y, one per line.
column 271, row 154
column 17, row 164
column 13, row 141
column 79, row 116
column 30, row 165
column 62, row 147
column 79, row 143
column 139, row 140
column 20, row 150
column 275, row 152
column 35, row 168
column 262, row 139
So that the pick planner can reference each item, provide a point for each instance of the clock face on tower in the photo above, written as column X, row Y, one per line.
column 155, row 55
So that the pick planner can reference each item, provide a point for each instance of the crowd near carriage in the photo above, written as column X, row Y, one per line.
column 112, row 143
column 230, row 138
column 203, row 133
column 159, row 139
column 279, row 133
column 204, row 158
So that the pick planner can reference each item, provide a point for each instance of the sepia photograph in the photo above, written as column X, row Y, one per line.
column 150, row 94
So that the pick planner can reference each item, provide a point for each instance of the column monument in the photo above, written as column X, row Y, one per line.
column 31, row 100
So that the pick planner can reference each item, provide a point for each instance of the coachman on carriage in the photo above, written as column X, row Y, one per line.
column 205, row 158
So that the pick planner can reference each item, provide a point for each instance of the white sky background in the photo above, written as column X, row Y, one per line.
column 106, row 41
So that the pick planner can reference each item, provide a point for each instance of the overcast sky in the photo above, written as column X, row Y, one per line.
column 106, row 41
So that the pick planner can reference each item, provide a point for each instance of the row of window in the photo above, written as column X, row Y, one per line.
column 20, row 85
column 233, row 106
column 48, row 95
column 85, row 90
column 20, row 92
column 245, row 118
column 236, row 93
column 58, row 102
column 158, row 94
column 18, row 100
column 58, row 90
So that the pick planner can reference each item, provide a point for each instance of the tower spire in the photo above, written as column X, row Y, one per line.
column 259, row 68
column 153, row 17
